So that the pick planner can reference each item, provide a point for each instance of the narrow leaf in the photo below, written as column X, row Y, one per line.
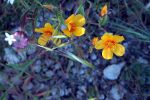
column 75, row 58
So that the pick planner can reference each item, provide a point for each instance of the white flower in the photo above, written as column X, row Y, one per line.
column 9, row 38
column 10, row 1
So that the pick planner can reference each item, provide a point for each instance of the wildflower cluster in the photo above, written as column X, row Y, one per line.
column 74, row 27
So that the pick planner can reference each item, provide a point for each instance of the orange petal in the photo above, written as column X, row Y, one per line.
column 94, row 40
column 103, row 10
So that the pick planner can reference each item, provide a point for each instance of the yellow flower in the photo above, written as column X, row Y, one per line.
column 74, row 25
column 103, row 11
column 47, row 31
column 110, row 44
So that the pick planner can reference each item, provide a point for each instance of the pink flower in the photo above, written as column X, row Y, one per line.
column 21, row 40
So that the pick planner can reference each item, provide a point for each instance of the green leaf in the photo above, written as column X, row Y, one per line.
column 52, row 49
column 21, row 66
column 4, row 96
column 59, row 36
column 1, row 87
column 35, row 98
column 103, row 20
column 75, row 58
column 80, row 9
column 60, row 17
column 92, row 99
column 48, row 49
column 70, row 55
column 56, row 41
column 61, row 45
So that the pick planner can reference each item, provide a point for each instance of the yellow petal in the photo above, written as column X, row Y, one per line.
column 39, row 30
column 43, row 39
column 119, row 50
column 99, row 45
column 103, row 11
column 79, row 31
column 66, row 32
column 70, row 19
column 107, row 36
column 118, row 38
column 79, row 20
column 107, row 53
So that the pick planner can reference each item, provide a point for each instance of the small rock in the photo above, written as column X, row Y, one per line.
column 74, row 70
column 101, row 97
column 93, row 57
column 79, row 93
column 38, row 62
column 97, row 62
column 70, row 63
column 62, row 92
column 36, row 68
column 41, row 86
column 31, row 49
column 117, row 92
column 143, row 61
column 54, row 91
column 22, row 55
column 48, row 62
column 16, row 80
column 60, row 73
column 57, row 66
column 83, row 88
column 49, row 74
column 44, row 69
column 10, row 56
column 28, row 86
column 90, row 79
column 67, row 91
column 81, row 72
column 112, row 72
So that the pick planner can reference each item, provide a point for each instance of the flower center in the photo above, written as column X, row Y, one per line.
column 72, row 27
column 48, row 33
column 110, row 43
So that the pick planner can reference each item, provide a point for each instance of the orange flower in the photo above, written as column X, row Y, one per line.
column 110, row 44
column 74, row 25
column 103, row 11
column 47, row 31
column 95, row 39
